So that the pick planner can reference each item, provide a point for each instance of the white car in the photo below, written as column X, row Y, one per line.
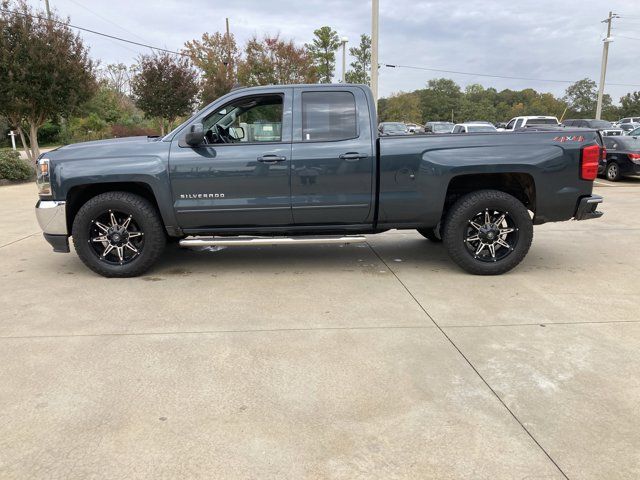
column 627, row 120
column 473, row 128
column 521, row 122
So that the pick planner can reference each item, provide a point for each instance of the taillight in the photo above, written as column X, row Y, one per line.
column 589, row 162
column 634, row 156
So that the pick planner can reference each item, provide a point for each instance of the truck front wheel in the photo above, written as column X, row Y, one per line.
column 118, row 234
column 488, row 232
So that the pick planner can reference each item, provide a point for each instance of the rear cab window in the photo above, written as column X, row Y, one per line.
column 329, row 116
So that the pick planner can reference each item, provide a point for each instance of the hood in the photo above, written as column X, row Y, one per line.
column 112, row 148
column 111, row 141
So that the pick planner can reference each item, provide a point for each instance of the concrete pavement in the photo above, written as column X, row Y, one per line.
column 380, row 360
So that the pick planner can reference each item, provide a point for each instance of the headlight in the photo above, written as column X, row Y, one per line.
column 43, row 178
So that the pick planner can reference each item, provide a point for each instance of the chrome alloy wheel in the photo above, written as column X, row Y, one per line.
column 491, row 235
column 115, row 237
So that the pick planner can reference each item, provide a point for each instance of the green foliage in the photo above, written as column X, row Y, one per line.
column 582, row 98
column 361, row 66
column 45, row 69
column 12, row 167
column 274, row 61
column 217, row 56
column 323, row 51
column 165, row 86
column 630, row 105
column 49, row 133
column 443, row 100
column 402, row 107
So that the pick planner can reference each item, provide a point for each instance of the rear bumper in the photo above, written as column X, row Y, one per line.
column 587, row 208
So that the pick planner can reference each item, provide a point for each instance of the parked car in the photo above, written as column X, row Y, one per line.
column 622, row 121
column 605, row 128
column 635, row 132
column 393, row 128
column 474, row 128
column 438, row 127
column 522, row 122
column 622, row 159
column 327, row 178
column 629, row 127
column 414, row 128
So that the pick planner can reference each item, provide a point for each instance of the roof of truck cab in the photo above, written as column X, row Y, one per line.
column 317, row 86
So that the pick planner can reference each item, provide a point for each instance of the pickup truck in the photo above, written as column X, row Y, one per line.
column 300, row 164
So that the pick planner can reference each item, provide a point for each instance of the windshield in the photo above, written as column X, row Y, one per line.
column 626, row 143
column 480, row 128
column 442, row 127
column 542, row 121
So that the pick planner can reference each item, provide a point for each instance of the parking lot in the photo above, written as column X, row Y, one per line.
column 378, row 360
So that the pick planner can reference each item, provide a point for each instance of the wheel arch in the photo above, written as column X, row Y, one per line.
column 520, row 185
column 81, row 194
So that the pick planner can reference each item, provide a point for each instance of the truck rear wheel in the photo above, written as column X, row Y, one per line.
column 488, row 232
column 118, row 234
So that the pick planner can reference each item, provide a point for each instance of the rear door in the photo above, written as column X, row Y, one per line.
column 332, row 157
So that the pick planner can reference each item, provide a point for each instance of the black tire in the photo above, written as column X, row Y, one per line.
column 459, row 230
column 431, row 234
column 612, row 172
column 148, row 227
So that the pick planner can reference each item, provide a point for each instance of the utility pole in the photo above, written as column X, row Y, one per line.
column 344, row 41
column 603, row 68
column 229, row 73
column 375, row 10
column 46, row 4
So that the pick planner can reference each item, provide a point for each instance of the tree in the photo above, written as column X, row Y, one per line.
column 118, row 77
column 630, row 105
column 323, row 51
column 165, row 87
column 275, row 61
column 217, row 57
column 362, row 64
column 401, row 107
column 582, row 98
column 45, row 70
column 440, row 100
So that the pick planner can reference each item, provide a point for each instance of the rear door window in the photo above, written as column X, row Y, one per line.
column 328, row 116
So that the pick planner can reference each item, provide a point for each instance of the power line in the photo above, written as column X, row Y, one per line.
column 456, row 72
column 106, row 19
column 113, row 37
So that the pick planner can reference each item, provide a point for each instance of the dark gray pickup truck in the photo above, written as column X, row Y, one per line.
column 303, row 164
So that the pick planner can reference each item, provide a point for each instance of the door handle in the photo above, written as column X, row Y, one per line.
column 351, row 156
column 271, row 159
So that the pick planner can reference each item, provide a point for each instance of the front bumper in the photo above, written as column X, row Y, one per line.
column 52, row 218
column 587, row 207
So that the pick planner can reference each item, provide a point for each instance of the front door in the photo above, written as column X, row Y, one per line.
column 333, row 157
column 239, row 176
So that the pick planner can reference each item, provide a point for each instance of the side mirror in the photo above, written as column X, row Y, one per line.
column 195, row 135
column 237, row 133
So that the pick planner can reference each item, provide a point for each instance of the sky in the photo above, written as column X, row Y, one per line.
column 536, row 39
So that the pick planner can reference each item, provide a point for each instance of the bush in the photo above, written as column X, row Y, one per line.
column 12, row 167
column 120, row 131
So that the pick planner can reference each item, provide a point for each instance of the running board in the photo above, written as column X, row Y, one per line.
column 246, row 241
